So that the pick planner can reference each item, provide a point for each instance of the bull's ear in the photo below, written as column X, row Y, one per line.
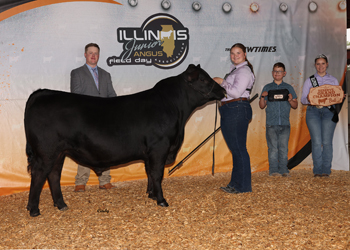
column 191, row 75
column 190, row 68
column 198, row 65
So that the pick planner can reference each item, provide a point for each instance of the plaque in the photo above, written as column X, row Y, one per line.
column 326, row 95
column 277, row 95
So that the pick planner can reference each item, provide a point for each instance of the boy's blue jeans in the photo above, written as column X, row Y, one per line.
column 277, row 137
column 321, row 128
column 235, row 117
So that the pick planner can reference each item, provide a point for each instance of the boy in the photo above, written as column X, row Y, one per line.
column 277, row 119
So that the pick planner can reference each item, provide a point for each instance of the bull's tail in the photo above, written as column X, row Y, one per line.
column 30, row 157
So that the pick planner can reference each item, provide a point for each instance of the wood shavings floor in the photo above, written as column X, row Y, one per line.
column 300, row 212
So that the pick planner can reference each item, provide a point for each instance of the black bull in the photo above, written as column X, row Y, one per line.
column 104, row 132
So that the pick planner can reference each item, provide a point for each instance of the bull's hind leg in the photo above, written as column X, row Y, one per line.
column 39, row 175
column 54, row 179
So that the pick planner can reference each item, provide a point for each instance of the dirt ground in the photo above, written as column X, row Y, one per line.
column 300, row 212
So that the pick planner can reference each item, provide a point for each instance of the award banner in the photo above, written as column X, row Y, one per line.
column 143, row 42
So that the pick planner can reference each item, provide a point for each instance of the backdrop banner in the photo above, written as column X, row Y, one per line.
column 42, row 41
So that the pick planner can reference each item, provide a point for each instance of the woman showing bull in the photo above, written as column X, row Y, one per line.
column 236, row 112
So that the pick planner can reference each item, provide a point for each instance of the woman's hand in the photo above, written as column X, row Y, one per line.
column 218, row 80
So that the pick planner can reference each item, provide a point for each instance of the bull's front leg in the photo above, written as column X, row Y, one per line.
column 149, row 183
column 155, row 174
column 157, row 188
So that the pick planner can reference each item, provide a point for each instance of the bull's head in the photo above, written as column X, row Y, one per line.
column 202, row 83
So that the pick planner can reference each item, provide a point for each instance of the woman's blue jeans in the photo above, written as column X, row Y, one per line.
column 235, row 117
column 321, row 128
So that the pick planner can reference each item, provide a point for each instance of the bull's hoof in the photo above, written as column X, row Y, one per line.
column 34, row 213
column 163, row 204
column 152, row 197
column 64, row 208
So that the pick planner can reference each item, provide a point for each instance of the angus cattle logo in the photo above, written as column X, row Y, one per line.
column 161, row 41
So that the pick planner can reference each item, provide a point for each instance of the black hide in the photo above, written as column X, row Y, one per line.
column 105, row 132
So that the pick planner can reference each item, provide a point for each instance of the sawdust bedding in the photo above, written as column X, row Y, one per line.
column 300, row 212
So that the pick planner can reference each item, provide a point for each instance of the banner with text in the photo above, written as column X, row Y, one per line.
column 42, row 41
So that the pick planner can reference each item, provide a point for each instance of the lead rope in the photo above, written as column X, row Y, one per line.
column 216, row 115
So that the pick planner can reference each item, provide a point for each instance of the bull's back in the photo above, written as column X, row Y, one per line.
column 45, row 108
column 93, row 129
column 49, row 108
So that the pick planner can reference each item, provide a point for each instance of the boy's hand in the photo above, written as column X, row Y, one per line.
column 263, row 102
column 264, row 94
column 293, row 102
